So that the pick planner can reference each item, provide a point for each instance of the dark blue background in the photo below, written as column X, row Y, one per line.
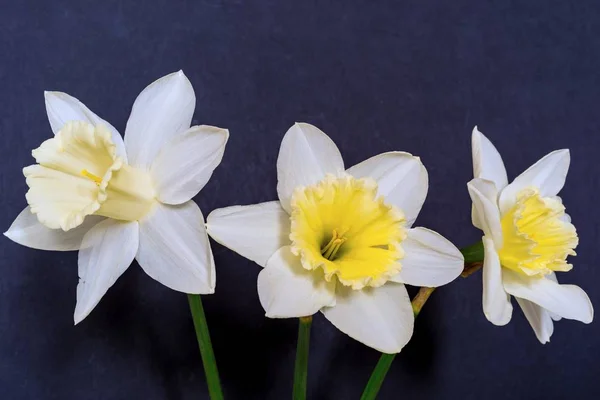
column 376, row 76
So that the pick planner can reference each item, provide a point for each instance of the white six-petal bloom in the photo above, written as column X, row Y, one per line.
column 340, row 241
column 116, row 200
column 527, row 237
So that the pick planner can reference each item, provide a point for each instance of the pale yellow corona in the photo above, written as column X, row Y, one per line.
column 343, row 227
column 79, row 174
column 537, row 235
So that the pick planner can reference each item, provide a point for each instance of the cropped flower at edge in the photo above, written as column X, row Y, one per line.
column 115, row 200
column 341, row 241
column 527, row 238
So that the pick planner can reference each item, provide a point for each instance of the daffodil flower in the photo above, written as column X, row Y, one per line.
column 527, row 238
column 340, row 241
column 116, row 200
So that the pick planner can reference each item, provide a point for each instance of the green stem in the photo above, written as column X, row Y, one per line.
column 377, row 377
column 301, row 367
column 473, row 260
column 206, row 350
column 473, row 253
column 385, row 361
column 420, row 299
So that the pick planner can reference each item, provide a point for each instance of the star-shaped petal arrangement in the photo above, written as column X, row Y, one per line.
column 115, row 200
column 341, row 241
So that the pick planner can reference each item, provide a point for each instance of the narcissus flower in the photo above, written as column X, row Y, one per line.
column 340, row 241
column 116, row 200
column 527, row 238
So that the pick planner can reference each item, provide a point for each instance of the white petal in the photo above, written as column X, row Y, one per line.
column 174, row 249
column 306, row 155
column 475, row 218
column 430, row 259
column 163, row 110
column 483, row 194
column 26, row 230
column 381, row 318
column 62, row 108
column 567, row 301
column 255, row 232
column 287, row 290
column 186, row 163
column 548, row 175
column 496, row 302
column 106, row 252
column 552, row 276
column 538, row 318
column 402, row 180
column 487, row 162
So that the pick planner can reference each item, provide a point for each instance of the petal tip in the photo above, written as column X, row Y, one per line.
column 78, row 316
column 302, row 125
column 181, row 75
column 478, row 139
column 566, row 152
column 498, row 322
column 48, row 94
column 175, row 77
column 211, row 289
column 10, row 235
column 224, row 132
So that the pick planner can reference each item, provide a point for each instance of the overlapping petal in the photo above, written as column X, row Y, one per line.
column 174, row 248
column 539, row 319
column 401, row 177
column 566, row 301
column 255, row 232
column 286, row 289
column 496, row 302
column 548, row 175
column 430, row 260
column 162, row 110
column 26, row 230
column 186, row 163
column 381, row 318
column 62, row 108
column 487, row 162
column 483, row 194
column 306, row 155
column 106, row 252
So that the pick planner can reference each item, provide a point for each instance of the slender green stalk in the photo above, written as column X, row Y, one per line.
column 206, row 350
column 473, row 261
column 385, row 361
column 377, row 377
column 301, row 367
column 420, row 299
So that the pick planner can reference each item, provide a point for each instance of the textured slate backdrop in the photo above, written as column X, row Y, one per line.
column 406, row 75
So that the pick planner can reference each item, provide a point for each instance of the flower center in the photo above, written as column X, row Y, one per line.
column 331, row 249
column 341, row 226
column 79, row 174
column 537, row 235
